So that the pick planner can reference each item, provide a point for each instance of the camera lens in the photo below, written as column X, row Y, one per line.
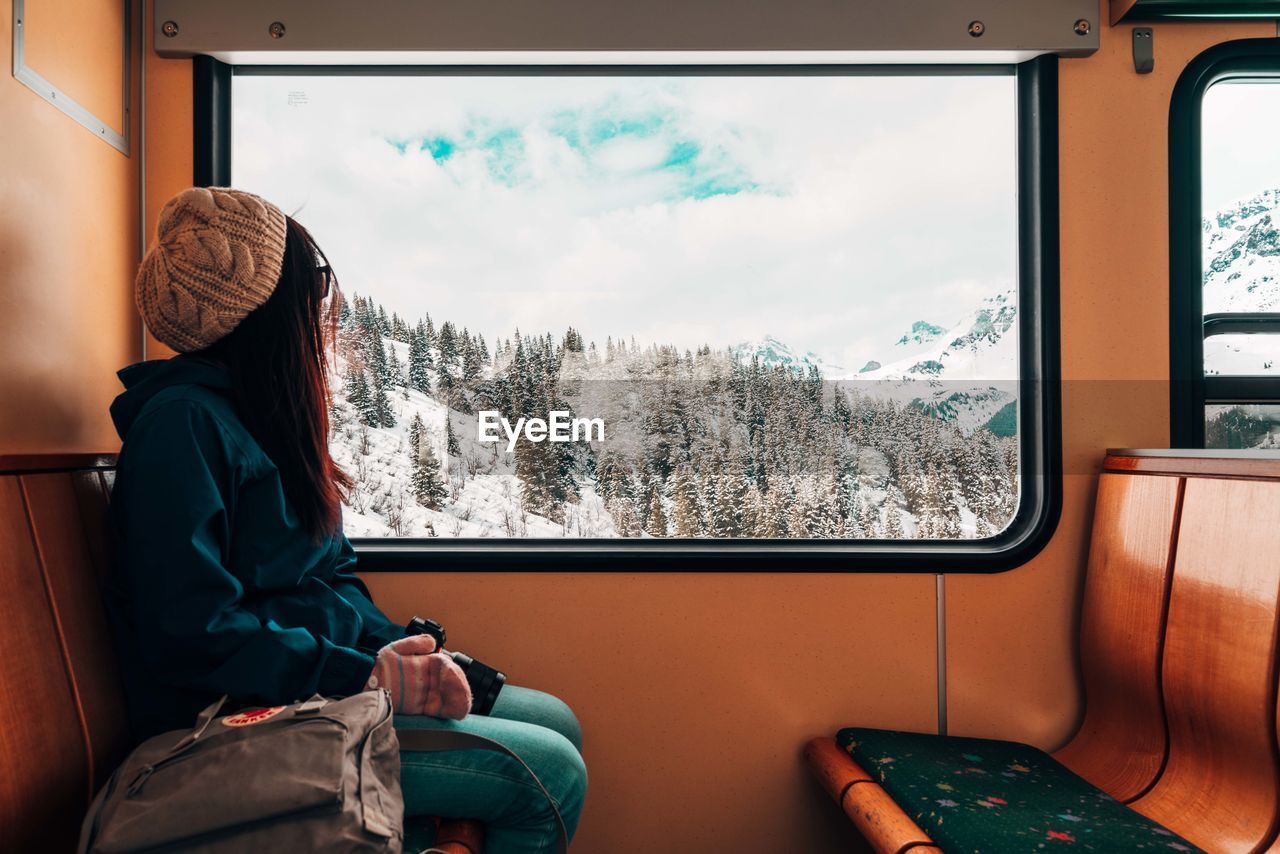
column 485, row 682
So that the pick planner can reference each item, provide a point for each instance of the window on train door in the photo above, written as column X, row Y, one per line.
column 1225, row 231
column 678, row 310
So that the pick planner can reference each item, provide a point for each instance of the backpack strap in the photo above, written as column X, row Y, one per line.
column 437, row 740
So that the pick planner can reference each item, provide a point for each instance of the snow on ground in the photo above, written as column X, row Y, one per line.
column 484, row 492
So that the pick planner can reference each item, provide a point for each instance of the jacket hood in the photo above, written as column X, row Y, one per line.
column 144, row 380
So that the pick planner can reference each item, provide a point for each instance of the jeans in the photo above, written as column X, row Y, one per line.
column 488, row 786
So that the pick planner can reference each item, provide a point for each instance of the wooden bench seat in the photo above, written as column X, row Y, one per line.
column 62, row 716
column 1178, row 652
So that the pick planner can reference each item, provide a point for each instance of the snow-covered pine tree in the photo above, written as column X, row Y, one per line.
column 752, row 511
column 472, row 363
column 399, row 329
column 420, row 359
column 611, row 477
column 656, row 524
column 626, row 521
column 425, row 481
column 446, row 364
column 893, row 522
column 869, row 520
column 428, row 486
column 685, row 515
column 396, row 369
column 414, row 434
column 450, row 438
column 772, row 522
column 382, row 406
column 360, row 397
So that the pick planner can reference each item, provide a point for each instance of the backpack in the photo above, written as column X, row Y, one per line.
column 319, row 776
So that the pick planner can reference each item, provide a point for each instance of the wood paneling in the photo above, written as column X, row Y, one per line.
column 1121, row 745
column 44, row 772
column 1219, row 785
column 71, row 563
column 1245, row 465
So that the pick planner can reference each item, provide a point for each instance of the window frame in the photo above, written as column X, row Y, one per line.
column 1190, row 390
column 1040, row 454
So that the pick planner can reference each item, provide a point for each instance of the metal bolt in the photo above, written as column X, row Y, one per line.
column 1082, row 27
column 169, row 28
column 977, row 28
column 276, row 29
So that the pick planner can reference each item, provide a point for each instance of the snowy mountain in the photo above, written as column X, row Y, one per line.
column 1242, row 273
column 921, row 332
column 770, row 352
column 965, row 372
column 1242, row 256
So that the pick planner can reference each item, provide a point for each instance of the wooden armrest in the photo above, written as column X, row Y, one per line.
column 878, row 818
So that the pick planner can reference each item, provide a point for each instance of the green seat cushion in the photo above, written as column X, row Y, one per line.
column 976, row 794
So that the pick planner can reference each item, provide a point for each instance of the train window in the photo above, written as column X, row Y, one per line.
column 691, row 310
column 1225, row 171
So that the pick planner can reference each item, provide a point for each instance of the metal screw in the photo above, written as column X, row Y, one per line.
column 1082, row 27
column 276, row 29
column 977, row 28
column 169, row 28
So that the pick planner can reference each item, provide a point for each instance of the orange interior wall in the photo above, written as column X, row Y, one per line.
column 69, row 234
column 1011, row 668
column 697, row 690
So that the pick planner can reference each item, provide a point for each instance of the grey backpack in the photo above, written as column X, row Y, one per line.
column 318, row 776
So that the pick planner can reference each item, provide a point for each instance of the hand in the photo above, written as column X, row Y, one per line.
column 420, row 680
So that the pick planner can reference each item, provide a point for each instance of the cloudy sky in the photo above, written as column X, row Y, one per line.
column 1241, row 142
column 829, row 212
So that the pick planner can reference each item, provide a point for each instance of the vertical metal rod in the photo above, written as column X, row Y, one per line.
column 941, row 599
column 142, row 152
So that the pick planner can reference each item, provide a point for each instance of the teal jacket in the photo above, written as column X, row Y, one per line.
column 217, row 589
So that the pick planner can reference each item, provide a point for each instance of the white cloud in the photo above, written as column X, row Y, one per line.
column 879, row 201
column 1240, row 136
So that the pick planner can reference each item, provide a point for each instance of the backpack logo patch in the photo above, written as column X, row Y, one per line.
column 249, row 717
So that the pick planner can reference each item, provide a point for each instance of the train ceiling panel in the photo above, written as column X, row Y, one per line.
column 410, row 31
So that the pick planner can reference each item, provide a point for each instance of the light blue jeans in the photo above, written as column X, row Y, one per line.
column 493, row 788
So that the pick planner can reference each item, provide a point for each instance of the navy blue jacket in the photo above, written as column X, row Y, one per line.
column 217, row 588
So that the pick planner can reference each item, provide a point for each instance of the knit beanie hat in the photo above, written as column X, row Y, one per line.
column 217, row 257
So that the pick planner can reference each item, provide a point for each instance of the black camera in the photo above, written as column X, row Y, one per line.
column 486, row 682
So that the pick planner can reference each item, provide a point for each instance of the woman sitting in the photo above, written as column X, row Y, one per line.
column 234, row 576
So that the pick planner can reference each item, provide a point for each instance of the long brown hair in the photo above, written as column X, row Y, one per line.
column 278, row 361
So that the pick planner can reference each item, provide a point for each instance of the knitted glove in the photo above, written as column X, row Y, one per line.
column 420, row 680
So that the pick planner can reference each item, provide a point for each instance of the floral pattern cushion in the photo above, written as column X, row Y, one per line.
column 1000, row 797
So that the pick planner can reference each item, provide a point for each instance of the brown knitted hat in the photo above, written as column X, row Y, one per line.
column 217, row 257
